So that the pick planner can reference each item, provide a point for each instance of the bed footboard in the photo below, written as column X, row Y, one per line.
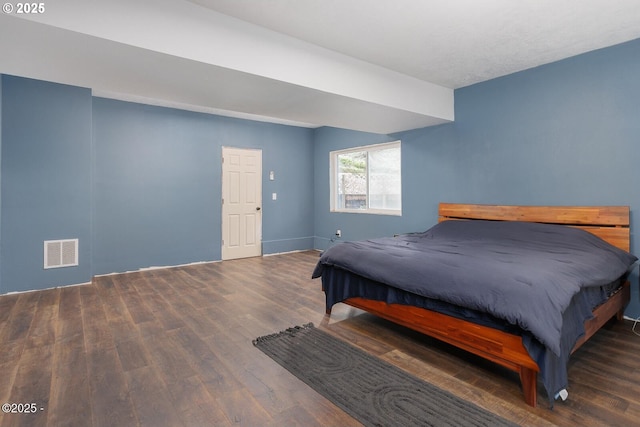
column 497, row 346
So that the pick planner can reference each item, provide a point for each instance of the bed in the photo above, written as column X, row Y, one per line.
column 378, row 276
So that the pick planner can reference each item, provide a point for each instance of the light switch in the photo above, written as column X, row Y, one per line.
column 272, row 176
column 274, row 196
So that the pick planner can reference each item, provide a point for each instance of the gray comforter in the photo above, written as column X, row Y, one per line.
column 523, row 273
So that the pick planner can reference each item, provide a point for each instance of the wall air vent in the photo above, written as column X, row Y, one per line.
column 60, row 253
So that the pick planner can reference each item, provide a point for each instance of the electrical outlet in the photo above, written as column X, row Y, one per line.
column 338, row 233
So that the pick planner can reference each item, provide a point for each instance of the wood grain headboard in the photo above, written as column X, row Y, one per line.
column 610, row 223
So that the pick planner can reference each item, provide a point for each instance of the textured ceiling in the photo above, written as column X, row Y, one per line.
column 373, row 65
column 453, row 43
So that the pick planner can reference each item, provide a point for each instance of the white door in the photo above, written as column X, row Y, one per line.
column 241, row 203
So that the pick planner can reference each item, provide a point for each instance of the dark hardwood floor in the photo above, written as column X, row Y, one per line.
column 172, row 347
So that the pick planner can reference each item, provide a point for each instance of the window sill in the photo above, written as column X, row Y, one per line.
column 368, row 212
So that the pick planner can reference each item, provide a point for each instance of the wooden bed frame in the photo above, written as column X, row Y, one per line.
column 611, row 223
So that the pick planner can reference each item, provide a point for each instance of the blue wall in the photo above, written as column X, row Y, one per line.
column 428, row 171
column 563, row 133
column 139, row 186
column 158, row 189
column 46, row 180
column 1, row 132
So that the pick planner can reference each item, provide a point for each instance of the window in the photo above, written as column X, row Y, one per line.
column 367, row 179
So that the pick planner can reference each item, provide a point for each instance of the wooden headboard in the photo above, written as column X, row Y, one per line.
column 610, row 223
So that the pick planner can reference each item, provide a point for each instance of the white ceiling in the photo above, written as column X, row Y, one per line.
column 373, row 65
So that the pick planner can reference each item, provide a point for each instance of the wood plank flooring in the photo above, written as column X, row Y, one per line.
column 172, row 347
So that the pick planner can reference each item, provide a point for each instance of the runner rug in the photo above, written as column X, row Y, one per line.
column 369, row 389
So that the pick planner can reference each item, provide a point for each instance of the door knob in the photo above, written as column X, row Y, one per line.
column 258, row 208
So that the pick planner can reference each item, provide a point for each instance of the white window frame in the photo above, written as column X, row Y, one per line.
column 333, row 178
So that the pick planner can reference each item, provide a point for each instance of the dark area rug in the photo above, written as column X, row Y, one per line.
column 369, row 389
